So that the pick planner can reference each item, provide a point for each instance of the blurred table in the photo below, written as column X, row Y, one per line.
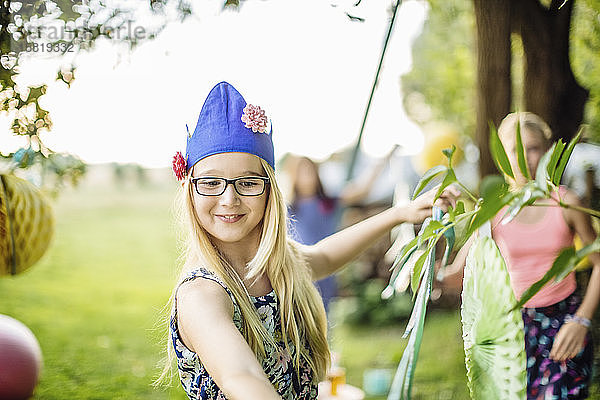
column 344, row 392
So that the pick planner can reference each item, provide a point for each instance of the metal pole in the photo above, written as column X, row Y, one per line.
column 362, row 128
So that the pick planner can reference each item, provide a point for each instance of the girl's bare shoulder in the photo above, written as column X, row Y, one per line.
column 201, row 293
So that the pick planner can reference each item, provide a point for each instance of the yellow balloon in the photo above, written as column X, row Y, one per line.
column 26, row 224
column 438, row 136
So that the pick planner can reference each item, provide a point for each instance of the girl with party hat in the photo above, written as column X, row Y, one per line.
column 246, row 320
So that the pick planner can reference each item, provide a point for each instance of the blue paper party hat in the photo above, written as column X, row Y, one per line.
column 227, row 124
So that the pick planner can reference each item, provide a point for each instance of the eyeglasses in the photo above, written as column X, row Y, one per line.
column 244, row 186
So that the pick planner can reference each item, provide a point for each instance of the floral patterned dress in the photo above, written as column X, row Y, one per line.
column 277, row 364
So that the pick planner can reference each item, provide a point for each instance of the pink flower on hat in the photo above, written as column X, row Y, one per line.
column 254, row 118
column 179, row 166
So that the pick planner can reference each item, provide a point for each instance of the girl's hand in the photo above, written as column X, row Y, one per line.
column 420, row 208
column 568, row 341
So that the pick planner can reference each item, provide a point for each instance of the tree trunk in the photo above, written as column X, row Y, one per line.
column 494, row 91
column 550, row 89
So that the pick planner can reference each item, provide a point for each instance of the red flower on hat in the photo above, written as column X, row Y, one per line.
column 254, row 118
column 179, row 166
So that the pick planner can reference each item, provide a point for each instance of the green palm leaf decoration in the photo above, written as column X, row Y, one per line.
column 492, row 325
column 422, row 282
column 492, row 330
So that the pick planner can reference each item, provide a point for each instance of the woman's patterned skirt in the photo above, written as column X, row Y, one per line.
column 548, row 379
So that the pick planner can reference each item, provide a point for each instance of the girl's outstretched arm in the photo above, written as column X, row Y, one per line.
column 333, row 252
column 570, row 338
column 205, row 314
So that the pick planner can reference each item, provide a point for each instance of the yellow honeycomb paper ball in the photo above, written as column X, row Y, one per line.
column 26, row 224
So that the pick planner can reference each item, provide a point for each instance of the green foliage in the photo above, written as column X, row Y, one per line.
column 428, row 177
column 444, row 66
column 55, row 169
column 563, row 265
column 559, row 169
column 585, row 59
column 494, row 195
column 367, row 308
column 557, row 150
column 57, row 27
column 421, row 284
column 521, row 153
column 435, row 172
column 498, row 153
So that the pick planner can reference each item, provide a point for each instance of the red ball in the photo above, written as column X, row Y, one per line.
column 20, row 360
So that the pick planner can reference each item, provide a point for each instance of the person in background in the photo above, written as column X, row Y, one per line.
column 556, row 320
column 314, row 215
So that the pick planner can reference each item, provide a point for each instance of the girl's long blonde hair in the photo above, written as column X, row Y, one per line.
column 303, row 320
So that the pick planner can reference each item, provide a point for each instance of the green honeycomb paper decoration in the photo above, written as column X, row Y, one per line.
column 492, row 330
column 26, row 224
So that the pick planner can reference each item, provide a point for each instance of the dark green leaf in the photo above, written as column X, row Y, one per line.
column 542, row 179
column 495, row 195
column 556, row 153
column 456, row 211
column 564, row 159
column 427, row 177
column 449, row 179
column 460, row 208
column 401, row 387
column 593, row 247
column 562, row 263
column 417, row 270
column 491, row 187
column 431, row 229
column 521, row 154
column 498, row 152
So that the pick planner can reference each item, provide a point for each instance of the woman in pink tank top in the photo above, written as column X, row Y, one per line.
column 557, row 338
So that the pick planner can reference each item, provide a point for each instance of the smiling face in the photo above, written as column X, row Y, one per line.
column 230, row 218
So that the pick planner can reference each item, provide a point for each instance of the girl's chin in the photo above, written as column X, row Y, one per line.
column 229, row 237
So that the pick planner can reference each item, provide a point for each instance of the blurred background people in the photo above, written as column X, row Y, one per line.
column 316, row 214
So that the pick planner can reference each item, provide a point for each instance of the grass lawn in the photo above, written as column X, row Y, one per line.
column 440, row 372
column 94, row 302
